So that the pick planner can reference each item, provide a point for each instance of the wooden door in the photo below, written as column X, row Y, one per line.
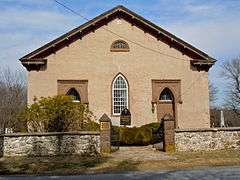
column 165, row 104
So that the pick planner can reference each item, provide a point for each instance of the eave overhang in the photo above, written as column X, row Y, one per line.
column 34, row 64
column 202, row 64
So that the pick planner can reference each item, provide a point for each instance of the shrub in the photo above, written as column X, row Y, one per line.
column 58, row 113
column 127, row 135
column 115, row 133
column 144, row 135
column 154, row 126
column 157, row 132
column 91, row 126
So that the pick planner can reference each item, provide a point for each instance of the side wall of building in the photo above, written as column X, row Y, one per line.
column 90, row 59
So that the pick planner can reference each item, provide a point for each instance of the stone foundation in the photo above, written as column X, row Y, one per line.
column 207, row 139
column 44, row 144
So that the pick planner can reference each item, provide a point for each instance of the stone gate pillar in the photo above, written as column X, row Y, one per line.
column 105, row 134
column 168, row 133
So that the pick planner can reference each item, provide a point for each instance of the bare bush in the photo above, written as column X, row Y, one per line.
column 13, row 95
column 231, row 72
column 212, row 94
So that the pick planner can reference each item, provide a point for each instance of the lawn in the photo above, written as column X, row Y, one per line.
column 186, row 160
column 59, row 165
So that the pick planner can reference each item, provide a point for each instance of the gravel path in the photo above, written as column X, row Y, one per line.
column 142, row 153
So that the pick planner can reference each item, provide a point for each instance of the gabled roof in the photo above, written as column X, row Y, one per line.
column 103, row 19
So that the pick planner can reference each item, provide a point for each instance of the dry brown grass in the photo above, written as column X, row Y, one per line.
column 48, row 164
column 195, row 159
column 79, row 165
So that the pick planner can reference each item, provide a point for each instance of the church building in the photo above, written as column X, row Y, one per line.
column 121, row 60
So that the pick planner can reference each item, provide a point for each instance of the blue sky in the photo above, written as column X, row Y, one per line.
column 211, row 25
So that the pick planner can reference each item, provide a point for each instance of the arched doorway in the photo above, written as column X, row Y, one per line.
column 165, row 103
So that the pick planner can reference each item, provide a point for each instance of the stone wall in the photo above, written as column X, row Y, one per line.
column 1, row 146
column 207, row 139
column 41, row 144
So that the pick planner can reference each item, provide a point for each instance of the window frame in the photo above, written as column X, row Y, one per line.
column 170, row 93
column 112, row 93
column 114, row 49
column 75, row 90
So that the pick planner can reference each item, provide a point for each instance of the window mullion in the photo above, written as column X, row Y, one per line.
column 120, row 93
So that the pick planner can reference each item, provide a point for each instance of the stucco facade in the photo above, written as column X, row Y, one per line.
column 89, row 58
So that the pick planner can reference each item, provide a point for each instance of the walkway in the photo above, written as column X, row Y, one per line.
column 143, row 153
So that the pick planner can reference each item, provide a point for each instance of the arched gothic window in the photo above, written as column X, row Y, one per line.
column 166, row 95
column 76, row 96
column 119, row 94
column 119, row 46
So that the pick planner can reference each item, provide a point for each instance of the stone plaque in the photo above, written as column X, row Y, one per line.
column 125, row 117
column 104, row 125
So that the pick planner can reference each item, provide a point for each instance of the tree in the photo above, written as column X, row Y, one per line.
column 231, row 72
column 57, row 114
column 212, row 93
column 12, row 98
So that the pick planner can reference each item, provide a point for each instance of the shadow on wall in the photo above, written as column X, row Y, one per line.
column 66, row 145
column 62, row 144
column 70, row 145
column 39, row 148
column 92, row 148
column 52, row 145
column 1, row 145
